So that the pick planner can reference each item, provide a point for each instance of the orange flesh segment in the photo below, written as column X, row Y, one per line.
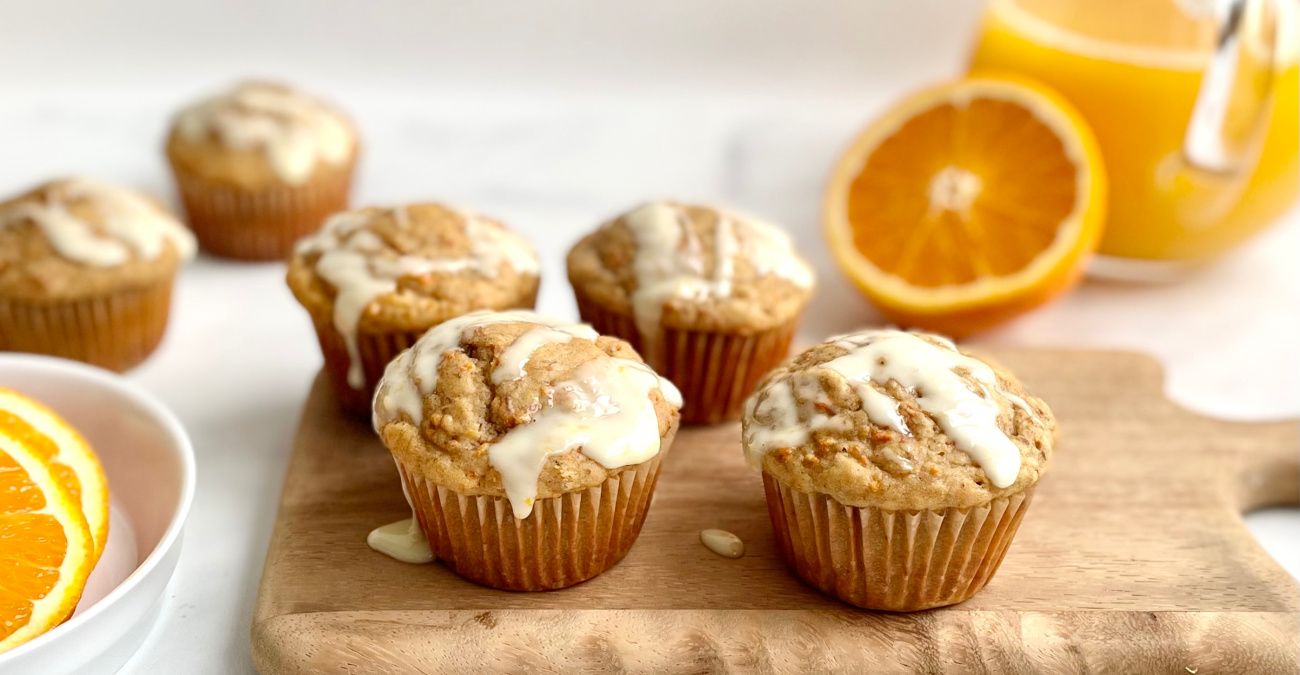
column 46, row 548
column 1027, row 187
column 32, row 547
column 64, row 452
column 43, row 447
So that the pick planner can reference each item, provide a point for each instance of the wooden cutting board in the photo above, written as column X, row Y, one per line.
column 1133, row 558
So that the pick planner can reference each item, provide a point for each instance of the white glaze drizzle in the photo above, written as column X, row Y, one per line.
column 785, row 431
column 401, row 540
column 929, row 370
column 361, row 268
column 669, row 262
column 604, row 407
column 515, row 358
column 294, row 130
column 776, row 403
column 127, row 223
column 414, row 372
column 881, row 408
column 606, row 410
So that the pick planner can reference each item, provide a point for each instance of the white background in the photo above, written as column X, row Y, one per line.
column 552, row 116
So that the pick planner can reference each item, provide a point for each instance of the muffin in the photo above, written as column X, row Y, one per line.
column 86, row 272
column 528, row 448
column 373, row 280
column 712, row 298
column 258, row 167
column 897, row 468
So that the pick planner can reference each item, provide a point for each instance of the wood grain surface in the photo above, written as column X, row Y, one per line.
column 1133, row 558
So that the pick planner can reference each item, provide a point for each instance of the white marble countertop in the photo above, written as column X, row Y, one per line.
column 240, row 353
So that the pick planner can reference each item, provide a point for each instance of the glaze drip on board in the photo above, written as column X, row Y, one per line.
column 295, row 131
column 401, row 540
column 603, row 407
column 362, row 267
column 127, row 223
column 670, row 263
column 929, row 366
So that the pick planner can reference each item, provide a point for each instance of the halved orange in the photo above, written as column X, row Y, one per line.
column 46, row 552
column 967, row 203
column 69, row 455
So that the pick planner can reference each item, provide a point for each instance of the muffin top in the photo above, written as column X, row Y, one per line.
column 517, row 405
column 693, row 268
column 408, row 268
column 897, row 420
column 76, row 236
column 260, row 133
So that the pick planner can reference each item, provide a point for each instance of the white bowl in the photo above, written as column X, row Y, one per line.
column 150, row 466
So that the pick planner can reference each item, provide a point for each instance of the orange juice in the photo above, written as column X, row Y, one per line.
column 1134, row 69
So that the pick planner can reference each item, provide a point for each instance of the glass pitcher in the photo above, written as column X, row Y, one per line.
column 1194, row 105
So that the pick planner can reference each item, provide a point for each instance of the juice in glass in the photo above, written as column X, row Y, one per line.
column 1134, row 69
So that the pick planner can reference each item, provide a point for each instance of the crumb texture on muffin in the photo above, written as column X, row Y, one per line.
column 258, row 132
column 77, row 236
column 408, row 268
column 693, row 268
column 897, row 420
column 517, row 405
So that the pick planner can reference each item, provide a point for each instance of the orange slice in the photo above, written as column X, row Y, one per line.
column 967, row 204
column 46, row 551
column 70, row 458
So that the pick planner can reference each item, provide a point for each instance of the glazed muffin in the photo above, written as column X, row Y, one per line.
column 373, row 280
column 528, row 448
column 897, row 468
column 712, row 298
column 86, row 272
column 259, row 166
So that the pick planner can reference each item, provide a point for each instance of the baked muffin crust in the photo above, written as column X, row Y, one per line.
column 471, row 382
column 440, row 261
column 406, row 268
column 259, row 134
column 850, row 429
column 692, row 267
column 77, row 237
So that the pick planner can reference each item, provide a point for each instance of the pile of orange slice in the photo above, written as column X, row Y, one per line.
column 53, row 518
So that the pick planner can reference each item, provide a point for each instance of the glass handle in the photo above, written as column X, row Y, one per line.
column 1233, row 101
